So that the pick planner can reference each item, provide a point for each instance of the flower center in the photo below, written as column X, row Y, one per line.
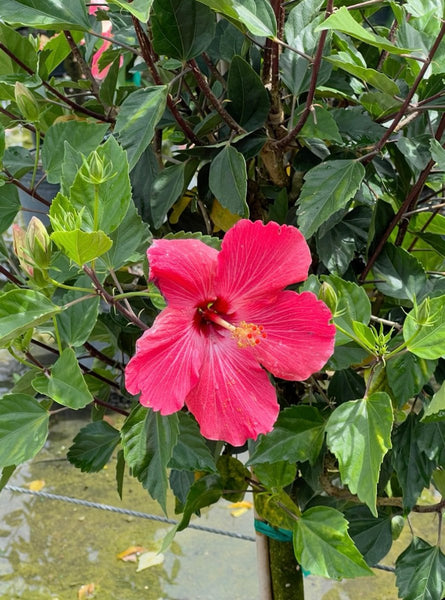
column 245, row 334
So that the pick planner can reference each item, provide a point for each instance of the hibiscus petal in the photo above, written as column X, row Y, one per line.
column 167, row 362
column 234, row 399
column 299, row 339
column 258, row 259
column 183, row 270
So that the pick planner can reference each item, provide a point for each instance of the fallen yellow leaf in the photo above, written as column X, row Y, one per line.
column 242, row 504
column 131, row 553
column 87, row 591
column 36, row 485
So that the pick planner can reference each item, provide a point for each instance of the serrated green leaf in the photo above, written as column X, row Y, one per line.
column 328, row 188
column 249, row 101
column 398, row 274
column 182, row 29
column 296, row 437
column 139, row 8
column 9, row 205
column 148, row 440
column 66, row 384
column 191, row 453
column 256, row 15
column 371, row 535
column 93, row 446
column 82, row 246
column 21, row 310
column 407, row 374
column 323, row 547
column 211, row 241
column 359, row 434
column 46, row 14
column 137, row 119
column 276, row 475
column 228, row 180
column 427, row 340
column 23, row 428
column 342, row 20
column 80, row 135
column 420, row 571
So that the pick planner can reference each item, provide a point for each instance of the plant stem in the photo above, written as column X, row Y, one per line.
column 84, row 67
column 31, row 192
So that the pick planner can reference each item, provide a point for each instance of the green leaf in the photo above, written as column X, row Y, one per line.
column 412, row 465
column 359, row 434
column 296, row 437
column 256, row 15
column 137, row 119
column 328, row 188
column 18, row 161
column 182, row 29
column 353, row 305
column 9, row 205
column 107, row 92
column 407, row 374
column 120, row 472
column 55, row 51
column 379, row 80
column 81, row 246
column 7, row 473
column 148, row 440
column 323, row 547
column 66, row 384
column 427, row 339
column 234, row 476
column 211, row 241
column 435, row 411
column 20, row 46
column 191, row 453
column 342, row 20
column 420, row 571
column 228, row 180
column 130, row 241
column 346, row 385
column 139, row 8
column 114, row 195
column 81, row 135
column 21, row 310
column 398, row 273
column 93, row 446
column 46, row 14
column 76, row 322
column 276, row 475
column 319, row 124
column 371, row 535
column 437, row 153
column 204, row 492
column 249, row 101
column 167, row 188
column 23, row 428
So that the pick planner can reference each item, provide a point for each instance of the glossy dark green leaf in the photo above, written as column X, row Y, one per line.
column 372, row 535
column 328, row 188
column 46, row 14
column 167, row 188
column 336, row 248
column 435, row 410
column 23, row 428
column 20, row 46
column 249, row 101
column 182, row 29
column 276, row 475
column 21, row 310
column 407, row 374
column 297, row 436
column 256, row 15
column 148, row 440
column 420, row 571
column 228, row 180
column 139, row 8
column 412, row 465
column 137, row 119
column 9, row 205
column 76, row 322
column 120, row 472
column 191, row 453
column 93, row 446
column 205, row 491
column 359, row 434
column 346, row 384
column 398, row 274
column 323, row 547
column 81, row 135
column 66, row 384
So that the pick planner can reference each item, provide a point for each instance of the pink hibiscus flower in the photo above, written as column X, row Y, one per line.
column 227, row 316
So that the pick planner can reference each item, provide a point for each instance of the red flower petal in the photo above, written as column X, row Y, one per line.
column 183, row 270
column 234, row 399
column 167, row 362
column 299, row 337
column 257, row 260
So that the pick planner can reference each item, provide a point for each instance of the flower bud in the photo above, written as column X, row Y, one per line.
column 329, row 296
column 95, row 170
column 19, row 247
column 38, row 243
column 26, row 102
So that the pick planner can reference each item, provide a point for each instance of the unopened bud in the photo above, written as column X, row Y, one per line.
column 19, row 247
column 26, row 102
column 38, row 243
column 329, row 296
column 95, row 170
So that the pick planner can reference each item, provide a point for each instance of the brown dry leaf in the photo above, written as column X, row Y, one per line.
column 87, row 591
column 149, row 559
column 131, row 553
column 36, row 485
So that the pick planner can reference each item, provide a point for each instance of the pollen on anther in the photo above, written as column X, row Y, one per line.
column 248, row 334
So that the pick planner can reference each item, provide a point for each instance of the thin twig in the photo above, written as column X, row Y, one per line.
column 83, row 65
column 29, row 191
